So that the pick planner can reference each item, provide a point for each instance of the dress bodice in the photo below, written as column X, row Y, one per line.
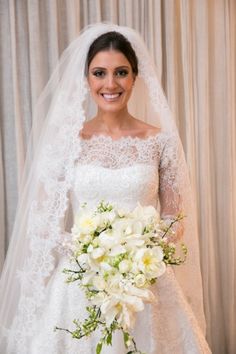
column 122, row 171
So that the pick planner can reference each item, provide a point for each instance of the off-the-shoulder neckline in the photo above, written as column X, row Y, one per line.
column 123, row 138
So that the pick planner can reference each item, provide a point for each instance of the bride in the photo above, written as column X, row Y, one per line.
column 104, row 131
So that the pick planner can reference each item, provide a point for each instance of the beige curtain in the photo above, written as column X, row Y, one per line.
column 193, row 43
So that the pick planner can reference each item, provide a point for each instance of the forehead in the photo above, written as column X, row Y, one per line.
column 109, row 59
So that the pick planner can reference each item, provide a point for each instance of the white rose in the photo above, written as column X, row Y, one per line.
column 140, row 280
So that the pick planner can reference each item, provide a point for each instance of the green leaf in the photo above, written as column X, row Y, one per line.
column 109, row 339
column 126, row 338
column 99, row 348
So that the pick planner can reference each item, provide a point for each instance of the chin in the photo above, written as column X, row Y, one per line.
column 111, row 109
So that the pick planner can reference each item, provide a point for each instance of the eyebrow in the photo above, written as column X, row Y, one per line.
column 117, row 68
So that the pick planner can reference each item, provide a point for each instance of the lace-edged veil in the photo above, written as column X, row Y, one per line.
column 63, row 107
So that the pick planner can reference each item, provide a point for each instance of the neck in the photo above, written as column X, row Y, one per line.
column 114, row 122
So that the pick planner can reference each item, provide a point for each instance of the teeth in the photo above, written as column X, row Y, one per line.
column 109, row 96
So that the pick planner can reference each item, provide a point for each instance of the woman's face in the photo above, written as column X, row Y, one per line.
column 110, row 78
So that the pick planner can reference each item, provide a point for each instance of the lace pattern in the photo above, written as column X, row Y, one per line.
column 102, row 150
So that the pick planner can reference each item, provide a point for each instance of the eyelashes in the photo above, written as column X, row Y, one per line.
column 118, row 73
column 122, row 73
column 98, row 73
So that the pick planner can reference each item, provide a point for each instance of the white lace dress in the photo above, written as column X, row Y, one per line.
column 123, row 172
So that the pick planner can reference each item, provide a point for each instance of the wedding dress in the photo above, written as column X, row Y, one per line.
column 123, row 172
column 152, row 171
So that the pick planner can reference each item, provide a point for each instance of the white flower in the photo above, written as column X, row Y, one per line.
column 86, row 238
column 111, row 243
column 119, row 260
column 126, row 317
column 125, row 266
column 117, row 250
column 85, row 223
column 149, row 261
column 120, row 213
column 105, row 266
column 107, row 217
column 99, row 283
column 97, row 252
column 147, row 213
column 115, row 283
column 122, row 307
column 83, row 259
column 88, row 276
column 140, row 280
column 138, row 227
column 135, row 240
column 90, row 248
column 128, row 230
column 122, row 226
column 106, row 239
column 144, row 294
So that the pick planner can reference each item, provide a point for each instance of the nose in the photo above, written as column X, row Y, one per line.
column 111, row 82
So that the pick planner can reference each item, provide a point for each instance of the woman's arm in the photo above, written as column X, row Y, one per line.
column 171, row 202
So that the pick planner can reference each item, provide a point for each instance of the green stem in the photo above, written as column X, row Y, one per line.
column 171, row 224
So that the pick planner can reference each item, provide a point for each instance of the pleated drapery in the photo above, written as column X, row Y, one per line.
column 193, row 43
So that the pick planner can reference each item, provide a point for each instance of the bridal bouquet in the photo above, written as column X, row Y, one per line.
column 117, row 257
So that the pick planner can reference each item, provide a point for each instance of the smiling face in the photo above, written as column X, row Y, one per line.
column 110, row 78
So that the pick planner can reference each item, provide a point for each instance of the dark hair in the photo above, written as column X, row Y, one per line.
column 113, row 40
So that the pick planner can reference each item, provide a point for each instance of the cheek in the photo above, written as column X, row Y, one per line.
column 93, row 85
column 129, row 86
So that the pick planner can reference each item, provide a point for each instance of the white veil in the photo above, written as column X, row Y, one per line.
column 40, row 226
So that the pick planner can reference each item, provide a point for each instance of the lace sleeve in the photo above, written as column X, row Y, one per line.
column 170, row 183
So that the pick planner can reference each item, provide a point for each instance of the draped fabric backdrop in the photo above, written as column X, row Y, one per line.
column 193, row 43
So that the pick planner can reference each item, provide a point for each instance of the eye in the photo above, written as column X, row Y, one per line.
column 122, row 72
column 99, row 73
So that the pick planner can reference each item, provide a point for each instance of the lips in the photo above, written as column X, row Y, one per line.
column 111, row 96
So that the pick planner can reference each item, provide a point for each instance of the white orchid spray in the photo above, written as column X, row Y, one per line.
column 118, row 257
